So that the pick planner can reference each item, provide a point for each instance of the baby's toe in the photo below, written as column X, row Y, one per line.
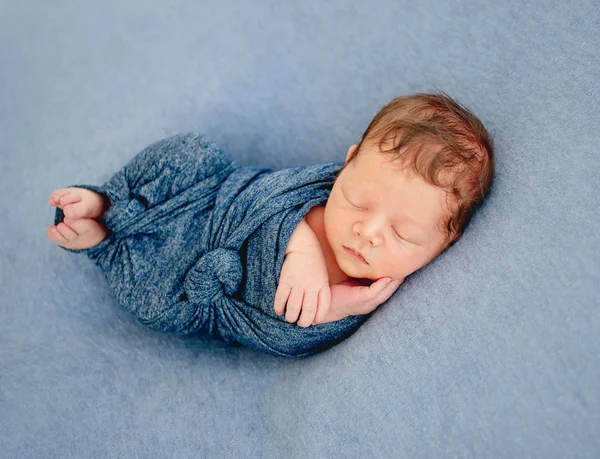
column 89, row 207
column 77, row 234
column 55, row 236
column 71, row 196
column 80, row 226
column 67, row 232
column 56, row 198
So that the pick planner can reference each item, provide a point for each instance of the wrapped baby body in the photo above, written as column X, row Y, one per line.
column 196, row 244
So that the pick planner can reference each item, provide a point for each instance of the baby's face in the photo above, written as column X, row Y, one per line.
column 390, row 218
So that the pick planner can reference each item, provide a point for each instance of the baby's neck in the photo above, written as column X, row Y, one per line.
column 315, row 220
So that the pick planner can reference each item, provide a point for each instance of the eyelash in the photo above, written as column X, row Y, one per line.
column 394, row 231
column 355, row 206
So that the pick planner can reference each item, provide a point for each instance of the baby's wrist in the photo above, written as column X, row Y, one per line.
column 303, row 239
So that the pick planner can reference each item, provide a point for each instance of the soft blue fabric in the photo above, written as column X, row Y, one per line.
column 196, row 244
column 491, row 351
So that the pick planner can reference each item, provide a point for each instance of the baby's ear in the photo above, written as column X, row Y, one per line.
column 351, row 152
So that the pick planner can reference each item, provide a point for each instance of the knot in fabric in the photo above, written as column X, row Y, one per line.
column 217, row 273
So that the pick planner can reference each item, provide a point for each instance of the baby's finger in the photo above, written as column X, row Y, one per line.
column 324, row 305
column 293, row 305
column 281, row 297
column 387, row 291
column 376, row 287
column 369, row 293
column 309, row 309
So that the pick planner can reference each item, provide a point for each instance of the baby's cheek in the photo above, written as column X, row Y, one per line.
column 388, row 264
column 334, row 228
column 401, row 265
column 331, row 227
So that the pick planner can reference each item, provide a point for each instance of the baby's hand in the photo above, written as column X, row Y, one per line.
column 351, row 298
column 304, row 285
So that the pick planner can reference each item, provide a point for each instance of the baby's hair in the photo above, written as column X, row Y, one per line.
column 435, row 137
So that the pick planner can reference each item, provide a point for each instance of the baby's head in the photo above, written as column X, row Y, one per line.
column 410, row 187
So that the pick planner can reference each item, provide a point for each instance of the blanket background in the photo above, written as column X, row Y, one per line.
column 490, row 351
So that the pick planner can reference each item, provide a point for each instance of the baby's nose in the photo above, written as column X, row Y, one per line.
column 370, row 231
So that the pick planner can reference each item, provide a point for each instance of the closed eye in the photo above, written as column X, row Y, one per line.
column 398, row 236
column 405, row 240
column 353, row 205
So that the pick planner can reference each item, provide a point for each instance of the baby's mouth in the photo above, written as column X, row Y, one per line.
column 356, row 254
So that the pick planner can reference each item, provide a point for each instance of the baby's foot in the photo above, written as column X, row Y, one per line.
column 79, row 202
column 79, row 230
column 82, row 233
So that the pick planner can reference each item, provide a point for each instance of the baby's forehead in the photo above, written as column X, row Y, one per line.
column 386, row 170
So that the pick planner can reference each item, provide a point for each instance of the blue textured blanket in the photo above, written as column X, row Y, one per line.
column 196, row 244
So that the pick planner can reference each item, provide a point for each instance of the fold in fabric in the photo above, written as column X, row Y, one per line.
column 196, row 244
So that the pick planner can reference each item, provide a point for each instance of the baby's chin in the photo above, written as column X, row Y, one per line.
column 355, row 274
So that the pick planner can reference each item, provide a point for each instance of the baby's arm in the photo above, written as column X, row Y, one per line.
column 303, row 288
column 305, row 272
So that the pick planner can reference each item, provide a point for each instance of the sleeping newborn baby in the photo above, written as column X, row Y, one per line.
column 286, row 262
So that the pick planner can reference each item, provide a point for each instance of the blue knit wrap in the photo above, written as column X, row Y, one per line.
column 196, row 244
